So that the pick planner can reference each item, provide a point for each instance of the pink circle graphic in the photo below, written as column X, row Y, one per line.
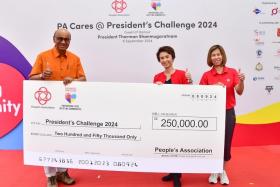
column 43, row 95
column 119, row 6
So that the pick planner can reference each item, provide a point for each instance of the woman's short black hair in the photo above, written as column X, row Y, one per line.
column 166, row 49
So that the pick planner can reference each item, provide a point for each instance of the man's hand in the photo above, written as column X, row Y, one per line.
column 67, row 80
column 46, row 74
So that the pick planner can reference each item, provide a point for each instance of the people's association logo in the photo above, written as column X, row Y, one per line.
column 156, row 5
column 259, row 67
column 278, row 32
column 119, row 5
column 70, row 95
column 42, row 95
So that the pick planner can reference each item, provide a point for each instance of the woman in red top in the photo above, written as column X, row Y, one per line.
column 170, row 75
column 219, row 74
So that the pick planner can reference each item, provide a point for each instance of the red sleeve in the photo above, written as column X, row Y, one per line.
column 204, row 80
column 235, row 77
column 184, row 80
column 159, row 77
column 179, row 77
column 155, row 79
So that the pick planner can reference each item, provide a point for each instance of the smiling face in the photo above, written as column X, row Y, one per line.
column 217, row 58
column 166, row 56
column 62, row 38
column 166, row 60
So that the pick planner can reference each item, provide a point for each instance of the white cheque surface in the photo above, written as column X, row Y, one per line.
column 124, row 126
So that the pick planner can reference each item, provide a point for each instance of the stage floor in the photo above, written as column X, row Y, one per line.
column 257, row 166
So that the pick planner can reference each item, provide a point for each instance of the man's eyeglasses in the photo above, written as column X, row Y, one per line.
column 60, row 39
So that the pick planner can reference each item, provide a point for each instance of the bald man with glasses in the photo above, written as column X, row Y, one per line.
column 58, row 64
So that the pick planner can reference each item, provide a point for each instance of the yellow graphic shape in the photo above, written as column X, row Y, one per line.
column 266, row 115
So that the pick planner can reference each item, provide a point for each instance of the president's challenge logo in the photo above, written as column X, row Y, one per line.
column 71, row 99
column 155, row 9
column 70, row 95
column 155, row 5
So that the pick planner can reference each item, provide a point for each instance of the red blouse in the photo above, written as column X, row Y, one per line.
column 229, row 77
column 178, row 77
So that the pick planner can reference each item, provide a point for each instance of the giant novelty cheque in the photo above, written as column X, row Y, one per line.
column 124, row 126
